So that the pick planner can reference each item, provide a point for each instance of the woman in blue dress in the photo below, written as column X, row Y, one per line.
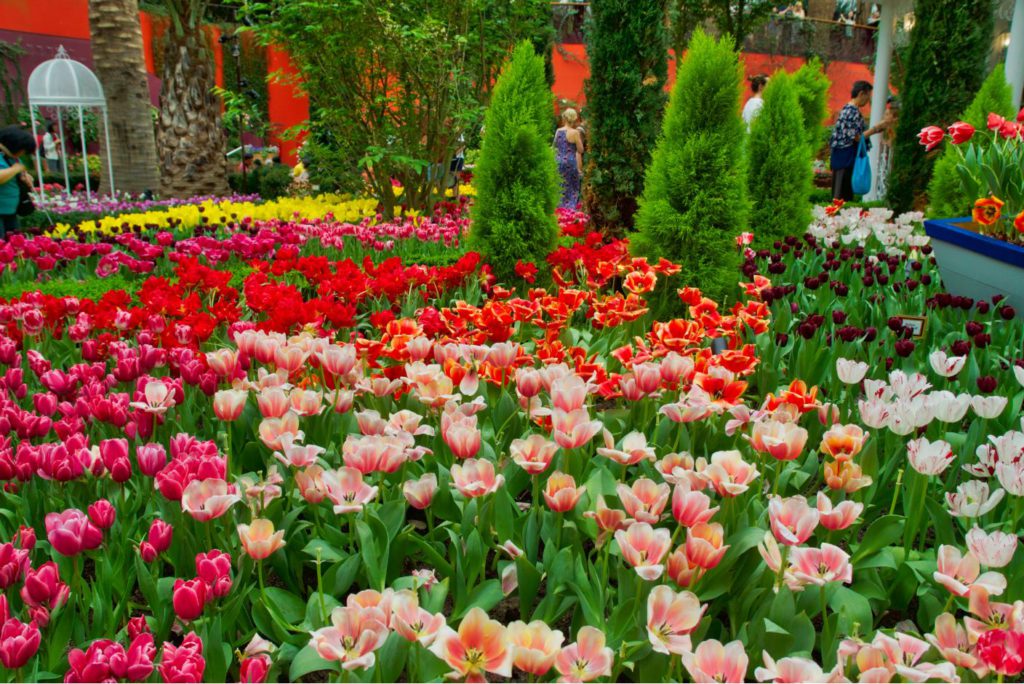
column 569, row 154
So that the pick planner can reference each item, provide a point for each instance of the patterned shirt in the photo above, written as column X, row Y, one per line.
column 849, row 125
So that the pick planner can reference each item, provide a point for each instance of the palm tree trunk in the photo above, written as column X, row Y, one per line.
column 190, row 138
column 117, row 53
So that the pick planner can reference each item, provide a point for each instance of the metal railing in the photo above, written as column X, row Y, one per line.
column 784, row 36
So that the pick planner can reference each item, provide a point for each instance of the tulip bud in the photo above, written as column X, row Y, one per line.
column 151, row 458
column 254, row 669
column 102, row 513
column 25, row 538
column 137, row 625
column 214, row 568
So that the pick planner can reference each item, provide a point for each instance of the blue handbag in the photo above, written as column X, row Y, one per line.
column 861, row 178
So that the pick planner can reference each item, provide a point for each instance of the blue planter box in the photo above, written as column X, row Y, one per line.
column 975, row 265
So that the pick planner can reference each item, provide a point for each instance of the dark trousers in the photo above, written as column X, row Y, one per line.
column 842, row 184
column 8, row 224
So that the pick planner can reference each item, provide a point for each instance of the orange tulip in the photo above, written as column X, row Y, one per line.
column 987, row 210
column 259, row 539
column 480, row 646
column 535, row 646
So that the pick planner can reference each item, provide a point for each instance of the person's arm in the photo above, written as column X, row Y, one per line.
column 579, row 152
column 15, row 170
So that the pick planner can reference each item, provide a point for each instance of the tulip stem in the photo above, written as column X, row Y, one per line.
column 896, row 491
column 320, row 587
column 778, row 476
column 824, row 621
column 949, row 602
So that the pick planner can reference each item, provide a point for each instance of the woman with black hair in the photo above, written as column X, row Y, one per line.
column 753, row 106
column 845, row 135
column 14, row 142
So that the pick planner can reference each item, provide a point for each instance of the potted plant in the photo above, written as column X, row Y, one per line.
column 983, row 255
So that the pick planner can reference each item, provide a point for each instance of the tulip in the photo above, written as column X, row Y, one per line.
column 961, row 132
column 959, row 572
column 299, row 455
column 949, row 407
column 102, row 513
column 561, row 493
column 43, row 587
column 419, row 493
column 972, row 499
column 214, row 568
column 229, row 404
column 728, row 473
column 633, row 450
column 412, row 622
column 19, row 642
column 792, row 519
column 71, row 532
column 843, row 442
column 160, row 535
column 158, row 395
column 782, row 441
column 476, row 477
column 851, row 372
column 819, row 566
column 573, row 429
column 951, row 641
column 259, row 539
column 994, row 549
column 479, row 646
column 586, row 659
column 946, row 366
column 704, row 547
column 794, row 670
column 671, row 617
column 840, row 516
column 13, row 565
column 645, row 500
column 929, row 458
column 569, row 393
column 114, row 453
column 137, row 665
column 1002, row 651
column 184, row 663
column 254, row 669
column 208, row 499
column 643, row 547
column 337, row 360
column 311, row 484
column 989, row 407
column 535, row 646
column 533, row 454
column 691, row 508
column 346, row 490
column 189, row 598
column 463, row 440
column 151, row 458
column 306, row 402
column 25, row 538
column 931, row 137
column 273, row 402
column 713, row 662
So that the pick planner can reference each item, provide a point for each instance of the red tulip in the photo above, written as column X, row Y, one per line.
column 160, row 535
column 137, row 625
column 995, row 122
column 183, row 663
column 214, row 568
column 1002, row 650
column 961, row 132
column 137, row 665
column 931, row 137
column 25, row 538
column 13, row 564
column 148, row 552
column 71, row 532
column 189, row 598
column 43, row 587
column 102, row 513
column 18, row 643
column 254, row 669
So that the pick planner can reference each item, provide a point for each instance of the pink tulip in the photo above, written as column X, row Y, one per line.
column 479, row 646
column 713, row 662
column 347, row 491
column 229, row 404
column 643, row 547
column 158, row 397
column 819, row 566
column 840, row 516
column 633, row 450
column 535, row 646
column 374, row 453
column 586, row 659
column 795, row 671
column 561, row 493
column 273, row 402
column 419, row 493
column 102, row 514
column 671, row 617
column 705, row 545
column 114, row 453
column 529, row 382
column 645, row 500
column 994, row 549
column 189, row 599
column 290, row 358
column 184, row 663
column 463, row 439
column 728, row 473
column 71, row 532
column 691, row 508
column 299, row 455
column 412, row 622
column 43, row 587
column 208, row 499
column 370, row 422
column 476, row 477
column 951, row 641
column 792, row 519
column 223, row 362
column 19, row 642
column 573, row 429
column 160, row 535
column 337, row 360
column 306, row 402
column 958, row 572
column 275, row 433
column 260, row 540
column 533, row 454
column 14, row 563
column 569, row 393
column 781, row 441
column 214, row 568
column 151, row 458
column 311, row 484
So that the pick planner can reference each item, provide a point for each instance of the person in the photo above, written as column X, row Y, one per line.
column 753, row 106
column 51, row 149
column 846, row 133
column 887, row 126
column 569, row 153
column 14, row 142
column 247, row 162
column 796, row 11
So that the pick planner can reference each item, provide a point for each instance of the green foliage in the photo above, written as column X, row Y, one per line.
column 780, row 165
column 328, row 168
column 275, row 180
column 812, row 86
column 949, row 47
column 945, row 193
column 90, row 288
column 736, row 18
column 516, row 178
column 626, row 47
column 694, row 201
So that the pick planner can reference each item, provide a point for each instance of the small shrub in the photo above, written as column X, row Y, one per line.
column 945, row 194
column 812, row 86
column 274, row 181
column 516, row 179
column 695, row 192
column 780, row 165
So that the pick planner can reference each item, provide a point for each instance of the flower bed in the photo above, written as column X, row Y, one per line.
column 372, row 469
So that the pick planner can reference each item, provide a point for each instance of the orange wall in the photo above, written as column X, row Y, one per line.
column 287, row 105
column 66, row 18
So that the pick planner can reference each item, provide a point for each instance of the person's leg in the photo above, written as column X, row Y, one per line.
column 848, row 184
column 8, row 224
column 837, row 183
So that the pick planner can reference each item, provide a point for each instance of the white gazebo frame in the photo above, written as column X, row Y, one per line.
column 80, row 90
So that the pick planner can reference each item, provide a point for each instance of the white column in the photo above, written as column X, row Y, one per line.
column 880, row 93
column 1015, row 53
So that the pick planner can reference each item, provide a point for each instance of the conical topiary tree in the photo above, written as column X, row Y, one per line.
column 812, row 86
column 628, row 54
column 945, row 197
column 780, row 173
column 516, row 180
column 695, row 191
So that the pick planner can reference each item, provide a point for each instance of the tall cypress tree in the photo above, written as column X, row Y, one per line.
column 517, row 186
column 695, row 193
column 780, row 165
column 627, row 47
column 812, row 86
column 949, row 47
column 946, row 198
